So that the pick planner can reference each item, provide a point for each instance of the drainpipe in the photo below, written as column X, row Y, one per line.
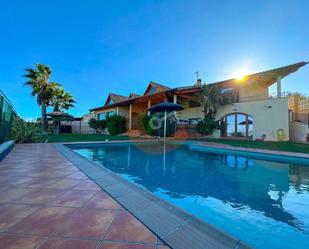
column 279, row 87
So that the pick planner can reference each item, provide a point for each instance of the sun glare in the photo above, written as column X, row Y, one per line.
column 240, row 74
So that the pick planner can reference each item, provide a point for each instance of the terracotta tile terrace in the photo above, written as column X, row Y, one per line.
column 46, row 202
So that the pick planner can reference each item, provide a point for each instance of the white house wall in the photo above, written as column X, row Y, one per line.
column 268, row 116
column 194, row 112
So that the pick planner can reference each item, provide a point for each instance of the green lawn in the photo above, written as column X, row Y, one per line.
column 83, row 138
column 282, row 146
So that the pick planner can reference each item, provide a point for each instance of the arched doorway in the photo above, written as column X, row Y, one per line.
column 237, row 125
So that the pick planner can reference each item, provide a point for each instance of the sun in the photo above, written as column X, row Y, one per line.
column 240, row 74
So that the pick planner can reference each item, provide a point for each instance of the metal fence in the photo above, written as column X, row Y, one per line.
column 7, row 113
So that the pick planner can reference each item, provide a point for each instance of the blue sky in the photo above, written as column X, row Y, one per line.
column 95, row 47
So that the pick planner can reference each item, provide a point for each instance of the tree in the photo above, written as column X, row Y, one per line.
column 101, row 125
column 297, row 94
column 38, row 79
column 212, row 97
column 94, row 124
column 60, row 101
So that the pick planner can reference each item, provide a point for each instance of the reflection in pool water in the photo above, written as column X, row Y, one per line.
column 264, row 203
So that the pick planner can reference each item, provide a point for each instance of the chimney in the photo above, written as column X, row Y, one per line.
column 198, row 82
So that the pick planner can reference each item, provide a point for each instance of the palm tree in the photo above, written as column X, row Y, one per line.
column 60, row 101
column 38, row 79
column 213, row 97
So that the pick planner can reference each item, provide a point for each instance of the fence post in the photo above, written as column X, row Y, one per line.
column 1, row 106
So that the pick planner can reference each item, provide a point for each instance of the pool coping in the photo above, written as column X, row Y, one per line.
column 176, row 227
column 5, row 148
column 281, row 156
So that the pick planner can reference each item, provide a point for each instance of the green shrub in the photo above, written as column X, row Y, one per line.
column 116, row 124
column 148, row 129
column 93, row 124
column 98, row 125
column 101, row 125
column 208, row 125
column 158, row 120
column 25, row 132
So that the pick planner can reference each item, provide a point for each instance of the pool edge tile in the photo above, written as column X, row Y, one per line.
column 162, row 218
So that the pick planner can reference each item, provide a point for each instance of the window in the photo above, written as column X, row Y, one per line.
column 101, row 116
column 151, row 90
column 194, row 121
column 237, row 125
column 108, row 114
column 193, row 104
column 226, row 90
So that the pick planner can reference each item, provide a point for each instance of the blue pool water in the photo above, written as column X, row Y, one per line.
column 264, row 203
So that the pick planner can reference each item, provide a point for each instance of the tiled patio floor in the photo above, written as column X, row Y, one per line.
column 46, row 202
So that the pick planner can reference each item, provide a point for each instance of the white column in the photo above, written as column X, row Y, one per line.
column 175, row 99
column 117, row 111
column 165, row 124
column 279, row 87
column 175, row 102
column 149, row 104
column 130, row 117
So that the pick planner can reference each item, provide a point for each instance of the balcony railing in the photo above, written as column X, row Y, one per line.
column 263, row 97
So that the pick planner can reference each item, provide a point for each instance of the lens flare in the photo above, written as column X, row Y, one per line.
column 240, row 74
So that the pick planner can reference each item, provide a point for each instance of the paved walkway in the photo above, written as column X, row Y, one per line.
column 47, row 203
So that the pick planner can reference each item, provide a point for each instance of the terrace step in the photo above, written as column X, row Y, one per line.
column 132, row 133
column 183, row 132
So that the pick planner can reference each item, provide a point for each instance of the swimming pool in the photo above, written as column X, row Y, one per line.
column 264, row 203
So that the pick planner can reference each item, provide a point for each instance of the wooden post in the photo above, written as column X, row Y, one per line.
column 130, row 117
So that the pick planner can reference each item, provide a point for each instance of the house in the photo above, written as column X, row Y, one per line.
column 255, row 112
